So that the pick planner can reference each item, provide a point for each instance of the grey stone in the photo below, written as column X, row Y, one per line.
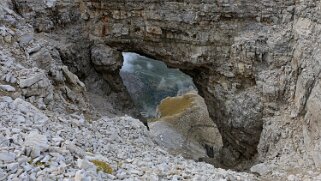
column 261, row 169
column 81, row 176
column 3, row 174
column 84, row 164
column 50, row 3
column 72, row 78
column 6, row 99
column 27, row 82
column 184, row 131
column 13, row 167
column 8, row 39
column 7, row 156
column 36, row 141
column 106, row 58
column 25, row 39
column 7, row 88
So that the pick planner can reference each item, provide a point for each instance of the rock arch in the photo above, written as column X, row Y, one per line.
column 222, row 46
column 232, row 49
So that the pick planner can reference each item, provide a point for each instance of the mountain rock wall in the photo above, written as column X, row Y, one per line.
column 256, row 63
column 238, row 52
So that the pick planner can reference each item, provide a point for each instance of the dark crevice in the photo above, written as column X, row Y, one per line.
column 16, row 8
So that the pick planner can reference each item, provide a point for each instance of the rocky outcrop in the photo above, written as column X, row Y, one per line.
column 62, row 138
column 66, row 32
column 256, row 63
column 239, row 54
column 184, row 127
column 108, row 62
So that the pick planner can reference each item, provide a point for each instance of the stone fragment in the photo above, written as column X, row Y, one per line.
column 5, row 99
column 7, row 88
column 36, row 141
column 3, row 174
column 25, row 39
column 50, row 3
column 84, row 164
column 8, row 39
column 76, row 150
column 27, row 82
column 7, row 156
column 261, row 169
column 13, row 167
column 81, row 176
column 292, row 178
column 72, row 78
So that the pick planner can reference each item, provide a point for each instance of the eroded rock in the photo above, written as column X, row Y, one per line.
column 184, row 126
column 264, row 54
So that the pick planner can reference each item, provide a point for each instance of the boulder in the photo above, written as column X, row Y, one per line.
column 37, row 142
column 105, row 58
column 184, row 126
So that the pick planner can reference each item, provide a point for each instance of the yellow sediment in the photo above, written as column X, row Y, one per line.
column 175, row 105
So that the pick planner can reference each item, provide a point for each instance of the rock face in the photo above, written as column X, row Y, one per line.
column 256, row 64
column 49, row 130
column 184, row 126
column 239, row 54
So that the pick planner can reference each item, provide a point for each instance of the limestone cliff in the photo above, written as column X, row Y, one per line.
column 256, row 63
column 238, row 53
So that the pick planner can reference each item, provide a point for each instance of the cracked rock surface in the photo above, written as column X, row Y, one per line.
column 255, row 63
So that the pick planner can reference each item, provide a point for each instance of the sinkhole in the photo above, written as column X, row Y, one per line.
column 170, row 105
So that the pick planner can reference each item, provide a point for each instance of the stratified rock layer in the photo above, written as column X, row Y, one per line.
column 238, row 52
column 49, row 130
column 256, row 63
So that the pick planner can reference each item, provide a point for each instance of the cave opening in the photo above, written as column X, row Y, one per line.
column 148, row 81
column 169, row 104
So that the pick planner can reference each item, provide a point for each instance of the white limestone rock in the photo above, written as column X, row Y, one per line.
column 81, row 176
column 72, row 78
column 3, row 174
column 7, row 88
column 50, row 3
column 13, row 167
column 7, row 156
column 261, row 169
column 84, row 164
column 36, row 141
